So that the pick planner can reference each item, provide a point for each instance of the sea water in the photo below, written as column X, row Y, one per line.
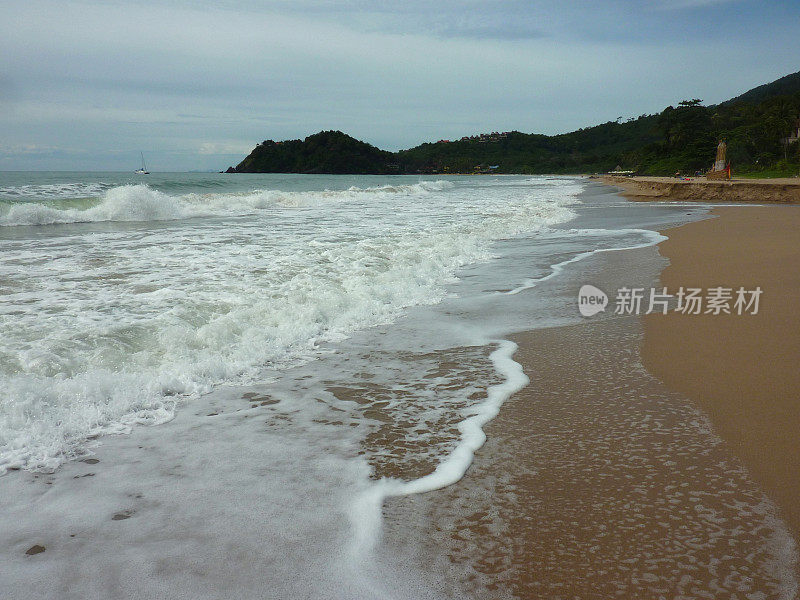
column 302, row 347
column 122, row 301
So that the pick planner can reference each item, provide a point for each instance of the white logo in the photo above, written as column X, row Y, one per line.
column 687, row 301
column 591, row 300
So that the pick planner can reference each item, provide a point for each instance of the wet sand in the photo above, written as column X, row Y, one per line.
column 742, row 371
column 597, row 481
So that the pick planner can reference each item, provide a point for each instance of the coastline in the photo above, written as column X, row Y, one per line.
column 585, row 490
column 597, row 480
column 699, row 189
column 741, row 371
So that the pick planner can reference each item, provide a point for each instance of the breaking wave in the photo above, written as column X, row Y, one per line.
column 106, row 329
column 142, row 203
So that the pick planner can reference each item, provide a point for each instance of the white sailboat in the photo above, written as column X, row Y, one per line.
column 143, row 170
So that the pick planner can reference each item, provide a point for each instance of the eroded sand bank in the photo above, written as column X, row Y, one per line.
column 699, row 189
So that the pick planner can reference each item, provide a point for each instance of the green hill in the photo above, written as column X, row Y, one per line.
column 323, row 152
column 681, row 138
column 596, row 148
column 785, row 86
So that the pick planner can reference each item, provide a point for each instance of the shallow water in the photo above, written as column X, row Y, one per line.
column 143, row 296
column 597, row 482
column 321, row 344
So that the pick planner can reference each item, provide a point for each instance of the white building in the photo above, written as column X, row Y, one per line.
column 794, row 135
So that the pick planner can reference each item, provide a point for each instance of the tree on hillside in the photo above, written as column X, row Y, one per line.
column 688, row 134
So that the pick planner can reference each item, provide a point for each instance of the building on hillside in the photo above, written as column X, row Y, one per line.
column 794, row 135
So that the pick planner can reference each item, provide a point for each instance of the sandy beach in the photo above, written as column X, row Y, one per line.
column 363, row 301
column 740, row 370
column 598, row 480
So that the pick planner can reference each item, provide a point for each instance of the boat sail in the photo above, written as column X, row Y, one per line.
column 143, row 170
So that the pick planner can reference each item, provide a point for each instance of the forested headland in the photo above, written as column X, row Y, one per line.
column 758, row 127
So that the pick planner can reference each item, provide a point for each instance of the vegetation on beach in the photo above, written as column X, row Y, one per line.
column 788, row 170
column 683, row 139
column 756, row 135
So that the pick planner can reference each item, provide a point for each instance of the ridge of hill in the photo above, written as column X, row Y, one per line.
column 757, row 126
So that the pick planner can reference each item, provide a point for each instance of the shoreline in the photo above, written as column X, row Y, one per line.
column 739, row 370
column 699, row 189
column 584, row 490
column 597, row 480
column 588, row 485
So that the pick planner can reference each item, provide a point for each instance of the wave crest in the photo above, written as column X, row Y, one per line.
column 142, row 203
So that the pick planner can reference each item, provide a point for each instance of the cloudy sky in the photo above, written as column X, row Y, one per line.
column 87, row 85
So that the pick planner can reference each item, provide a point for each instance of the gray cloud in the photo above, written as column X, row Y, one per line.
column 684, row 4
column 192, row 86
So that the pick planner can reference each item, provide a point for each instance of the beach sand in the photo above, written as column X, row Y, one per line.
column 600, row 479
column 597, row 481
column 741, row 371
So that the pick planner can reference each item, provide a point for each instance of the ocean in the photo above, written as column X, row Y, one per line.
column 283, row 353
column 124, row 297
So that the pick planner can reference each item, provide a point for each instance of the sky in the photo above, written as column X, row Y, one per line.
column 89, row 85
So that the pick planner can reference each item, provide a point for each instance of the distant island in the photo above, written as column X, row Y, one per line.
column 761, row 127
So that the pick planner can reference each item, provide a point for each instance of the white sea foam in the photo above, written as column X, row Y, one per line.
column 142, row 203
column 106, row 329
column 367, row 509
column 651, row 239
column 54, row 191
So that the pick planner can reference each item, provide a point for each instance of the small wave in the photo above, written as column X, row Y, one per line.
column 125, row 203
column 410, row 189
column 651, row 239
column 142, row 203
column 366, row 510
column 54, row 191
